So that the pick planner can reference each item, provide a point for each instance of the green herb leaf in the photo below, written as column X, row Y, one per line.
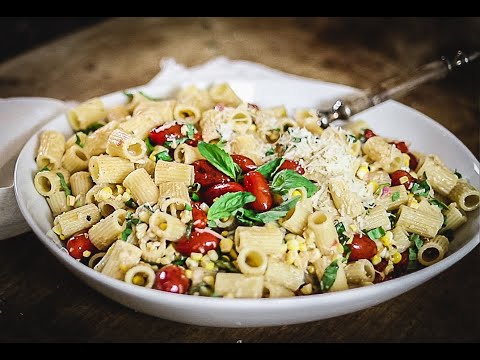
column 44, row 169
column 421, row 189
column 227, row 204
column 149, row 144
column 289, row 179
column 396, row 196
column 417, row 241
column 195, row 197
column 341, row 234
column 220, row 159
column 269, row 169
column 212, row 224
column 329, row 276
column 131, row 204
column 188, row 232
column 346, row 251
column 458, row 174
column 149, row 97
column 78, row 141
column 351, row 138
column 226, row 265
column 126, row 233
column 248, row 216
column 164, row 156
column 128, row 95
column 169, row 143
column 180, row 261
column 64, row 184
column 270, row 152
column 376, row 233
column 437, row 202
column 188, row 207
column 92, row 128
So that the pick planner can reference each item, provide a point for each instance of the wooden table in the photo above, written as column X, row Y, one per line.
column 41, row 301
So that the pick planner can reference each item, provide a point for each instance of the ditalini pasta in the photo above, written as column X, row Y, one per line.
column 204, row 194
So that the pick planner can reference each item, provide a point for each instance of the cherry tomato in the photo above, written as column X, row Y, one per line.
column 413, row 161
column 255, row 183
column 159, row 137
column 218, row 190
column 401, row 177
column 245, row 163
column 171, row 278
column 79, row 246
column 199, row 242
column 292, row 165
column 368, row 134
column 362, row 247
column 199, row 216
column 400, row 145
column 207, row 175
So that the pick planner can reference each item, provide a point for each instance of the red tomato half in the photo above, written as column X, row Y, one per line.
column 292, row 165
column 207, row 175
column 400, row 145
column 362, row 247
column 255, row 183
column 79, row 246
column 199, row 242
column 159, row 137
column 171, row 278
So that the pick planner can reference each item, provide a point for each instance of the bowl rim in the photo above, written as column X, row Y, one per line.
column 415, row 278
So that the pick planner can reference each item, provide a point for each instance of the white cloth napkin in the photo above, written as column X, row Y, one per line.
column 37, row 114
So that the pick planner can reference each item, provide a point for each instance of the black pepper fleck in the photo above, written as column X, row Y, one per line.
column 89, row 218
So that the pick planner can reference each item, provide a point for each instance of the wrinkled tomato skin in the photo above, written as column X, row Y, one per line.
column 399, row 174
column 199, row 242
column 255, row 183
column 78, row 244
column 400, row 145
column 413, row 161
column 292, row 165
column 199, row 216
column 362, row 247
column 218, row 190
column 171, row 278
column 245, row 163
column 368, row 134
column 207, row 175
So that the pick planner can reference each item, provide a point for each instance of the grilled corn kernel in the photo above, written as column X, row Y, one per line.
column 120, row 189
column 86, row 253
column 292, row 255
column 403, row 180
column 226, row 245
column 57, row 229
column 196, row 256
column 397, row 257
column 373, row 186
column 376, row 260
column 104, row 194
column 306, row 290
column 126, row 196
column 311, row 269
column 124, row 268
column 387, row 238
column 292, row 244
column 412, row 202
column 163, row 226
column 62, row 237
column 209, row 266
column 188, row 273
column 138, row 280
column 362, row 171
column 153, row 158
column 406, row 159
column 209, row 280
column 212, row 254
column 224, row 233
column 233, row 254
column 252, row 127
column 191, row 264
column 296, row 193
column 70, row 200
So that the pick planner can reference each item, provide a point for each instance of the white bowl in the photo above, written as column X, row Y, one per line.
column 390, row 119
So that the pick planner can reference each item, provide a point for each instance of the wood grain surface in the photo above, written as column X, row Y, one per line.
column 40, row 301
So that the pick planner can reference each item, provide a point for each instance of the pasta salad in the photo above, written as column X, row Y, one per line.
column 204, row 194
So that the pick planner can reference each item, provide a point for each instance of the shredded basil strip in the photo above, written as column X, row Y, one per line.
column 132, row 204
column 195, row 197
column 149, row 144
column 164, row 156
column 421, row 189
column 341, row 233
column 188, row 207
column 227, row 204
column 270, row 168
column 289, row 179
column 329, row 276
column 78, row 141
column 45, row 168
column 396, row 196
column 92, row 128
column 220, row 159
column 439, row 203
column 64, row 184
column 248, row 216
column 376, row 233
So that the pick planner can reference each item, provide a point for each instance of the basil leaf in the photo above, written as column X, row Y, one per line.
column 268, row 169
column 341, row 234
column 78, row 141
column 180, row 261
column 351, row 138
column 128, row 95
column 164, row 156
column 228, row 203
column 376, row 233
column 45, row 168
column 92, row 128
column 289, row 179
column 126, row 233
column 220, row 159
column 439, row 203
column 64, row 184
column 421, row 189
column 149, row 97
column 149, row 144
column 329, row 276
column 248, row 216
column 396, row 196
column 417, row 241
column 195, row 197
column 132, row 204
column 188, row 207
